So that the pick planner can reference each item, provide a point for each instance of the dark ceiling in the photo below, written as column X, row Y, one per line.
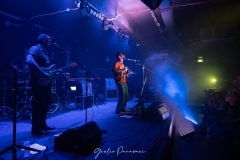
column 180, row 20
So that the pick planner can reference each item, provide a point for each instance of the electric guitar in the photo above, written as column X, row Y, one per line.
column 53, row 73
column 128, row 72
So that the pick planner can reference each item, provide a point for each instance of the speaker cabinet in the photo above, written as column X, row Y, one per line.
column 80, row 140
column 152, row 4
column 157, row 111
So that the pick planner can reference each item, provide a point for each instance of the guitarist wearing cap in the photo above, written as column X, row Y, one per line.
column 120, row 76
column 37, row 57
column 41, row 75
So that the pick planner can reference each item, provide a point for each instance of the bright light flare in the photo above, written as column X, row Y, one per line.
column 213, row 80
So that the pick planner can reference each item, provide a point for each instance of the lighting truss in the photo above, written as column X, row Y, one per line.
column 86, row 8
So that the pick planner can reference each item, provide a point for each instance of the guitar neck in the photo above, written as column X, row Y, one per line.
column 63, row 68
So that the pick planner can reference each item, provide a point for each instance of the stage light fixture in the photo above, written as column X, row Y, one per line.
column 191, row 120
column 126, row 36
column 91, row 11
column 120, row 33
column 105, row 24
column 115, row 28
column 84, row 7
column 189, row 136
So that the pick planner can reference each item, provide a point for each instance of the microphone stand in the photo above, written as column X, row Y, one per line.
column 138, row 62
column 87, row 77
column 14, row 146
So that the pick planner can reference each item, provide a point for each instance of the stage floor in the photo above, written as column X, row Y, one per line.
column 126, row 137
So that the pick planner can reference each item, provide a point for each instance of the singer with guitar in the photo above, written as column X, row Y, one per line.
column 120, row 76
column 41, row 75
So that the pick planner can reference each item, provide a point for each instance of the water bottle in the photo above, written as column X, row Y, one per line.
column 26, row 143
column 50, row 144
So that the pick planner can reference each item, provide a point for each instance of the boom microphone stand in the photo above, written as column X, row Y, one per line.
column 138, row 62
column 14, row 146
column 87, row 76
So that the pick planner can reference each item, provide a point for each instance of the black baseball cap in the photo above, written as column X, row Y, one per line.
column 44, row 36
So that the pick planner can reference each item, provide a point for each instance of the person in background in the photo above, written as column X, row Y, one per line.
column 216, row 105
column 37, row 57
column 120, row 78
column 227, row 127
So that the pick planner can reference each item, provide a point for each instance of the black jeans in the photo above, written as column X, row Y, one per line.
column 42, row 100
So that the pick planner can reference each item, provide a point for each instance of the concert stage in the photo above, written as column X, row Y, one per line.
column 126, row 137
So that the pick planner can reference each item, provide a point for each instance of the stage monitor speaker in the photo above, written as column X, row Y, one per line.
column 152, row 4
column 81, row 140
column 157, row 111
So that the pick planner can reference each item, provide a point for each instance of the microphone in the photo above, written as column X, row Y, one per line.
column 55, row 44
column 132, row 60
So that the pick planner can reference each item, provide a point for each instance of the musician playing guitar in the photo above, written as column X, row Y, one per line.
column 120, row 77
column 39, row 62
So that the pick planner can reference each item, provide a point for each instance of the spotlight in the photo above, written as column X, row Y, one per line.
column 81, row 5
column 100, row 16
column 191, row 120
column 120, row 33
column 91, row 11
column 126, row 36
column 111, row 25
column 105, row 24
column 189, row 136
column 190, row 132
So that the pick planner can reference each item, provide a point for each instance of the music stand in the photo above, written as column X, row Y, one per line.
column 14, row 146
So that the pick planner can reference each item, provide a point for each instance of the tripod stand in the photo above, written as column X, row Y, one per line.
column 14, row 146
column 27, row 106
column 5, row 109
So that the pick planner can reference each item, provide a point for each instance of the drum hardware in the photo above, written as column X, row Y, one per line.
column 5, row 109
column 27, row 107
column 54, row 101
column 14, row 145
